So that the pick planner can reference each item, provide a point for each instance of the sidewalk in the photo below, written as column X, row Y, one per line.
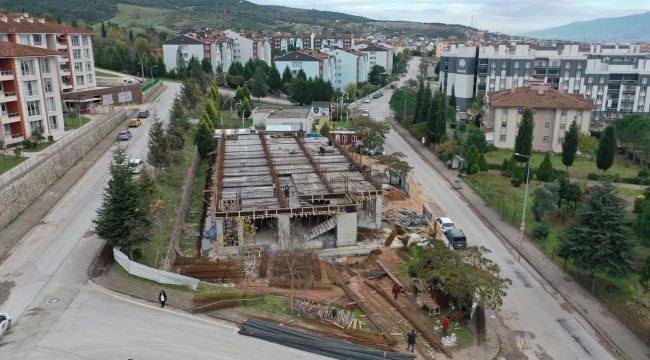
column 624, row 341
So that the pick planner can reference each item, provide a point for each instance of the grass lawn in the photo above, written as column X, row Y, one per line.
column 104, row 74
column 138, row 18
column 10, row 162
column 188, row 245
column 581, row 166
column 72, row 122
column 40, row 146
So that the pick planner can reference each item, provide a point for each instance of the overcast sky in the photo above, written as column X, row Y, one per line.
column 508, row 16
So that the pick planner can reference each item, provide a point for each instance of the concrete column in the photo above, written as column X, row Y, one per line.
column 378, row 210
column 284, row 230
column 240, row 232
column 346, row 229
column 219, row 227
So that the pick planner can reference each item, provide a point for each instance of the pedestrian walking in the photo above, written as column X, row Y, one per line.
column 411, row 340
column 162, row 297
column 396, row 290
column 286, row 191
column 322, row 151
column 445, row 326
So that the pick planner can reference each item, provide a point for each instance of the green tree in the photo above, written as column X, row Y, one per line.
column 418, row 101
column 103, row 29
column 641, row 225
column 213, row 113
column 474, row 169
column 325, row 129
column 517, row 176
column 205, row 135
column 450, row 113
column 131, row 36
column 181, row 68
column 176, row 136
column 452, row 98
column 586, row 143
column 505, row 168
column 241, row 94
column 372, row 132
column 215, row 96
column 426, row 105
column 524, row 139
column 177, row 116
column 244, row 110
column 160, row 153
column 570, row 144
column 259, row 87
column 393, row 164
column 545, row 198
column 607, row 149
column 441, row 124
column 287, row 75
column 206, row 66
column 403, row 102
column 301, row 75
column 476, row 137
column 195, row 72
column 190, row 93
column 432, row 120
column 275, row 81
column 472, row 156
column 644, row 274
column 601, row 239
column 482, row 163
column 374, row 77
column 121, row 203
column 541, row 230
column 545, row 170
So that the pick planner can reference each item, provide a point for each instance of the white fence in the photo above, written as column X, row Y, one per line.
column 159, row 276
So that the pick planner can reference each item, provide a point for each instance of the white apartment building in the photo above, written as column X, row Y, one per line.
column 554, row 111
column 377, row 55
column 615, row 76
column 313, row 63
column 249, row 46
column 200, row 45
column 351, row 66
column 30, row 95
column 332, row 40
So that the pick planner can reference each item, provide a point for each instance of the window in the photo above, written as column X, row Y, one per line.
column 50, row 104
column 185, row 55
column 518, row 125
column 566, row 74
column 504, row 63
column 7, row 128
column 547, row 125
column 296, row 64
column 36, row 125
column 555, row 63
column 503, row 73
column 354, row 138
column 502, row 138
column 590, row 79
column 579, row 113
column 494, row 64
column 548, row 112
column 38, row 39
column 87, row 66
column 560, row 140
column 534, row 124
column 86, row 53
column 74, row 40
column 54, row 124
column 34, row 108
column 516, row 64
column 27, row 67
column 80, row 79
column 85, row 40
column 520, row 111
column 563, row 112
column 78, row 67
column 535, row 112
column 89, row 78
column 602, row 80
column 545, row 139
column 527, row 65
column 567, row 65
column 184, row 47
column 30, row 88
column 505, row 111
column 644, row 81
column 76, row 54
column 579, row 65
column 492, row 73
column 45, row 66
column 47, row 85
column 578, row 74
column 504, row 124
column 562, row 126
column 344, row 138
column 23, row 40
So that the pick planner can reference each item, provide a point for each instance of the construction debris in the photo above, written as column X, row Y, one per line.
column 449, row 341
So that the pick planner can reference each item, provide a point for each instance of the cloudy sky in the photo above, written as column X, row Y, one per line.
column 509, row 16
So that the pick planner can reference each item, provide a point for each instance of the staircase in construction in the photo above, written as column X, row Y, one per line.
column 321, row 228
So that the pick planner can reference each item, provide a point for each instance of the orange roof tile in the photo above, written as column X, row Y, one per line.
column 528, row 96
column 12, row 50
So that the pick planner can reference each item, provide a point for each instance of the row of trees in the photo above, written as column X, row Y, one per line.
column 431, row 109
column 211, row 120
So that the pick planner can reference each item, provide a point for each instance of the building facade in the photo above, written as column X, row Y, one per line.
column 378, row 55
column 249, row 46
column 554, row 111
column 333, row 40
column 351, row 66
column 200, row 44
column 313, row 63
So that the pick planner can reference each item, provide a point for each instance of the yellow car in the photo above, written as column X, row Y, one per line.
column 135, row 123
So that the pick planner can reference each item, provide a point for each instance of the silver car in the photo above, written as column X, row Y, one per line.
column 5, row 323
column 124, row 135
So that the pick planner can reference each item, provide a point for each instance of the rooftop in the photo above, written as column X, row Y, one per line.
column 12, row 50
column 20, row 23
column 295, row 113
column 538, row 96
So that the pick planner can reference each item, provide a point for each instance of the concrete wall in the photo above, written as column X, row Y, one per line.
column 346, row 229
column 18, row 194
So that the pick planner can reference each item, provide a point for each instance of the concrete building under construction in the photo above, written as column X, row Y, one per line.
column 282, row 181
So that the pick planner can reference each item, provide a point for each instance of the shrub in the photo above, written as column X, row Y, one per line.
column 453, row 125
column 444, row 139
column 517, row 177
column 27, row 143
column 505, row 168
column 462, row 127
column 494, row 166
column 541, row 230
column 593, row 176
column 616, row 178
column 631, row 180
column 474, row 169
column 408, row 122
column 639, row 205
column 643, row 173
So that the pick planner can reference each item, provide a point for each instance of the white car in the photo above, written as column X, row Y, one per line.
column 136, row 165
column 5, row 323
column 366, row 101
column 444, row 223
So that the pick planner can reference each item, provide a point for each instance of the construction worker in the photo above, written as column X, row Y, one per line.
column 396, row 290
column 445, row 326
column 411, row 340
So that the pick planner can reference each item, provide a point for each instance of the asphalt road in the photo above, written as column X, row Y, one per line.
column 58, row 313
column 534, row 320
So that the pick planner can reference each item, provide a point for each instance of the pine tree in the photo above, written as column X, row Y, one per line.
column 301, row 75
column 259, row 87
column 195, row 72
column 482, row 163
column 189, row 93
column 177, row 117
column 241, row 94
column 517, row 177
column 74, row 23
column 287, row 75
column 432, row 122
column 601, row 240
column 161, row 67
column 524, row 139
column 206, row 66
column 418, row 101
column 452, row 98
column 205, row 136
column 275, row 81
column 244, row 109
column 607, row 149
column 570, row 144
column 176, row 136
column 160, row 153
column 103, row 28
column 131, row 36
column 215, row 95
column 505, row 168
column 181, row 68
column 58, row 20
column 545, row 170
column 441, row 123
column 213, row 114
column 472, row 156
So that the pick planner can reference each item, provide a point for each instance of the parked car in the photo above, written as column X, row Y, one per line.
column 5, row 324
column 135, row 122
column 456, row 238
column 124, row 135
column 143, row 114
column 136, row 165
column 440, row 225
column 129, row 81
column 376, row 96
column 366, row 101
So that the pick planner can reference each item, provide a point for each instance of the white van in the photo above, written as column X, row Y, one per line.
column 136, row 165
column 129, row 81
column 365, row 112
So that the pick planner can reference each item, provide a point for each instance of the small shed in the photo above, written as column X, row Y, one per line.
column 456, row 162
column 321, row 108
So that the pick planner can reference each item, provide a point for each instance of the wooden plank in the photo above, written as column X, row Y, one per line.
column 395, row 279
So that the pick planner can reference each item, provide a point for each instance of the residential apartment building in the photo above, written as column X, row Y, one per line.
column 282, row 41
column 443, row 45
column 615, row 76
column 377, row 55
column 351, row 66
column 75, row 60
column 333, row 40
column 30, row 95
column 554, row 111
column 313, row 63
column 249, row 46
column 200, row 44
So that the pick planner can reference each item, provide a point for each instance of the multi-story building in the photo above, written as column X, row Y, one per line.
column 249, row 46
column 30, row 95
column 313, row 63
column 443, row 45
column 351, row 66
column 333, row 40
column 378, row 55
column 282, row 41
column 75, row 60
column 554, row 111
column 199, row 44
column 615, row 76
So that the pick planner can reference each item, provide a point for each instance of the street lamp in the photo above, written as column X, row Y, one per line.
column 224, row 103
column 151, row 71
column 523, row 215
column 242, row 113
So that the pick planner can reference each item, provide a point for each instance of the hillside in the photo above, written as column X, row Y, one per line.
column 626, row 28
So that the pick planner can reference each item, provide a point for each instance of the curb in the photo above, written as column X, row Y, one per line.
column 502, row 237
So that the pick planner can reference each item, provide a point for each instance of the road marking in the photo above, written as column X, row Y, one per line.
column 63, row 354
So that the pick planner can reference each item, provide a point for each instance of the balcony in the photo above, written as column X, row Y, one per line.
column 13, row 138
column 6, row 75
column 9, row 96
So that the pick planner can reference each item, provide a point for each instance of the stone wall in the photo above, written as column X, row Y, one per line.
column 146, row 95
column 17, row 195
column 188, row 186
column 346, row 229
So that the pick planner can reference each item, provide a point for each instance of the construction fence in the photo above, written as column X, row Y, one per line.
column 159, row 276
